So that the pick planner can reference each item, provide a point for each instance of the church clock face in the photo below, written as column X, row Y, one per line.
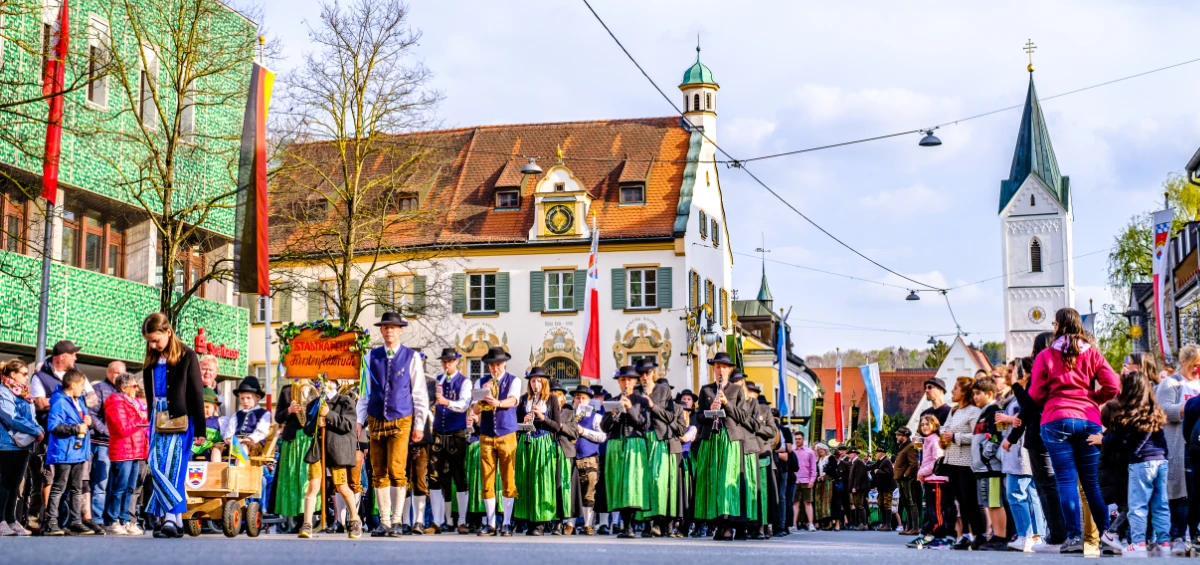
column 1037, row 315
column 559, row 219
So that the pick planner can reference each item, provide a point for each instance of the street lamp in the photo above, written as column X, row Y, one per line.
column 532, row 168
column 912, row 296
column 932, row 341
column 930, row 140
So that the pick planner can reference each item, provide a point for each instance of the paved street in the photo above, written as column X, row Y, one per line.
column 816, row 548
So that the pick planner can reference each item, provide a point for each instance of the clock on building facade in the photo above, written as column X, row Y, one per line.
column 559, row 219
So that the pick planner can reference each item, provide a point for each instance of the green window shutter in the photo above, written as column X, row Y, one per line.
column 664, row 288
column 502, row 292
column 537, row 291
column 418, row 299
column 580, row 289
column 355, row 295
column 381, row 298
column 458, row 291
column 247, row 301
column 285, row 305
column 618, row 289
column 314, row 301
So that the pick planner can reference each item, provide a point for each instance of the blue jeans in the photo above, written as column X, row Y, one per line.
column 1148, row 497
column 121, row 483
column 1026, row 506
column 1074, row 460
column 99, row 479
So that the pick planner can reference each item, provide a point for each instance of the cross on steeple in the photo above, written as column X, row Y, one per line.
column 1030, row 48
column 764, row 291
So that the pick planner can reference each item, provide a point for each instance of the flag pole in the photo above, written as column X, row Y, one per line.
column 44, row 305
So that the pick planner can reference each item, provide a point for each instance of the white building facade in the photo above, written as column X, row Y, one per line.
column 1036, row 246
column 514, row 272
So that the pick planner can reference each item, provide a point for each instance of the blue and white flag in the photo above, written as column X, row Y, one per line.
column 870, row 377
column 781, row 354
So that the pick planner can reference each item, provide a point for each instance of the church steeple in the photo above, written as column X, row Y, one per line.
column 764, row 291
column 700, row 96
column 1034, row 155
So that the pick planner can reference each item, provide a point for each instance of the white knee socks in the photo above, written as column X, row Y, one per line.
column 463, row 501
column 601, row 519
column 438, row 505
column 418, row 510
column 310, row 503
column 339, row 510
column 587, row 517
column 508, row 510
column 351, row 509
column 404, row 515
column 489, row 505
column 383, row 499
column 399, row 495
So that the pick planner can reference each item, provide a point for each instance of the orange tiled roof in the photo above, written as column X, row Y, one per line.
column 460, row 169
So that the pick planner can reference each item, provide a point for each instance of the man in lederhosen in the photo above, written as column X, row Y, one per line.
column 448, row 456
column 498, row 438
column 419, row 471
column 587, row 454
column 393, row 410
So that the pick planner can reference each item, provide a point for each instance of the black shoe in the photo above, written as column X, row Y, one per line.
column 380, row 532
column 405, row 529
column 506, row 531
column 463, row 529
column 558, row 529
column 396, row 531
column 963, row 544
column 94, row 527
column 602, row 531
column 53, row 530
column 168, row 530
column 417, row 530
column 486, row 531
column 740, row 535
column 627, row 533
column 1072, row 545
column 978, row 542
column 537, row 530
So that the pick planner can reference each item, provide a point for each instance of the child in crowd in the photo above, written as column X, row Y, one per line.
column 336, row 416
column 213, row 445
column 1137, row 427
column 1020, row 490
column 986, row 464
column 67, row 451
column 934, row 533
column 128, row 445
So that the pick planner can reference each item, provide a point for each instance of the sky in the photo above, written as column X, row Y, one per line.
column 799, row 74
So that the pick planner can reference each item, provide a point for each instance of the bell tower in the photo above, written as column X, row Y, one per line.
column 700, row 97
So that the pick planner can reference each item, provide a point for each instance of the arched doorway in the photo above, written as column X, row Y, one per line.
column 563, row 369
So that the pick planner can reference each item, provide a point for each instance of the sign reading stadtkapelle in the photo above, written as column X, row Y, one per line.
column 312, row 353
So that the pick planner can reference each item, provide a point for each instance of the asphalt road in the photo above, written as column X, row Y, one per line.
column 819, row 548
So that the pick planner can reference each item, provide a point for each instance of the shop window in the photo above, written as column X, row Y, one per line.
column 14, row 226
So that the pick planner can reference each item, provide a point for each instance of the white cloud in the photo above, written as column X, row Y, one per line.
column 746, row 133
column 917, row 199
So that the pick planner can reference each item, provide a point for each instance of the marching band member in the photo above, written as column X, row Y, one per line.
column 686, row 432
column 720, row 488
column 449, row 451
column 662, row 452
column 393, row 410
column 538, row 473
column 292, row 472
column 587, row 454
column 767, row 434
column 418, row 475
column 497, row 438
column 337, row 417
column 625, row 462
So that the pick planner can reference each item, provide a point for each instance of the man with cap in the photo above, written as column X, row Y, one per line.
column 250, row 423
column 905, row 473
column 662, row 451
column 587, row 453
column 719, row 462
column 935, row 390
column 450, row 438
column 625, row 463
column 42, row 385
column 883, row 479
column 393, row 411
column 683, row 429
column 858, row 486
column 498, row 438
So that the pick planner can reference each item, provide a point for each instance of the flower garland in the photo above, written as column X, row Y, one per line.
column 327, row 328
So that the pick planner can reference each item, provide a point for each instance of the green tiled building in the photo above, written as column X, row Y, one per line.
column 108, row 266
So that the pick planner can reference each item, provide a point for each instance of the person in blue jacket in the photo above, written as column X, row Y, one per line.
column 67, row 451
column 20, row 433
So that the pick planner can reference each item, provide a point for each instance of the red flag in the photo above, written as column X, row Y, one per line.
column 840, row 423
column 591, row 342
column 250, row 245
column 53, row 77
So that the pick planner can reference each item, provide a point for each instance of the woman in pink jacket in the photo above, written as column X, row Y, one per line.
column 128, row 443
column 1071, row 380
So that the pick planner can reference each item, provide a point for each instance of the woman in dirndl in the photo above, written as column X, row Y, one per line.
column 722, row 489
column 538, row 455
column 175, row 395
column 626, row 463
column 822, row 488
column 291, row 476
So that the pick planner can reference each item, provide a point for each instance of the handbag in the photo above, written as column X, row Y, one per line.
column 165, row 424
column 939, row 466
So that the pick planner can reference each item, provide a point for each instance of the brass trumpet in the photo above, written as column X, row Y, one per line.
column 303, row 393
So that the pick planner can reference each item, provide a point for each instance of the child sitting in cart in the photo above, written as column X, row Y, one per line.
column 212, row 447
column 335, row 423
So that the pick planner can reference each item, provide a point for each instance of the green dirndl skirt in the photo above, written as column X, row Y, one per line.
column 663, row 479
column 291, row 479
column 475, row 481
column 686, row 493
column 764, row 467
column 749, row 487
column 626, row 474
column 822, row 499
column 538, row 479
column 718, row 472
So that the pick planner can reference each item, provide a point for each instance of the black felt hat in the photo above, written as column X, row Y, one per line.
column 645, row 365
column 583, row 390
column 391, row 319
column 250, row 384
column 722, row 358
column 626, row 372
column 496, row 355
column 449, row 354
column 536, row 371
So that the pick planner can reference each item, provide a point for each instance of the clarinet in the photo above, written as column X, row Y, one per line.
column 716, row 425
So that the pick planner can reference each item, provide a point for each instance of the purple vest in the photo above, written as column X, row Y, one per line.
column 501, row 421
column 584, row 447
column 247, row 420
column 390, row 389
column 446, row 420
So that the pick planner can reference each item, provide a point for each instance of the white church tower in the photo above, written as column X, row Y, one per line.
column 1036, row 218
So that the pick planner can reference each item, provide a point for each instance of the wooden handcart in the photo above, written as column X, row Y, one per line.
column 218, row 491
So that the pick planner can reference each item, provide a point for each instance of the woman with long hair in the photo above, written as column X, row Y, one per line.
column 539, row 457
column 1172, row 395
column 19, row 434
column 1071, row 380
column 1136, row 426
column 175, row 396
column 956, row 440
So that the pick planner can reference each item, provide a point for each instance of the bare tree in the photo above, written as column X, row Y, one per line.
column 351, row 175
column 176, row 87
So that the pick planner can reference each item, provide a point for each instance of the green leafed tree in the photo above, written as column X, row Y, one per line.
column 937, row 354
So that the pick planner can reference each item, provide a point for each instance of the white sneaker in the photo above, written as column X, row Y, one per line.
column 131, row 529
column 1022, row 544
column 812, row 528
column 1046, row 548
column 1110, row 545
column 116, row 529
column 1134, row 548
column 18, row 529
column 5, row 530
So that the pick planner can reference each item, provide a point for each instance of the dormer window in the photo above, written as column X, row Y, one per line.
column 508, row 200
column 407, row 204
column 633, row 194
